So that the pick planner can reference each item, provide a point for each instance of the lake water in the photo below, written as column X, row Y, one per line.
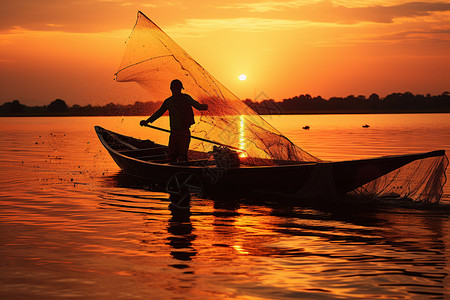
column 73, row 227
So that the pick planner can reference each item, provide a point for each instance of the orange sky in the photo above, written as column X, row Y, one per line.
column 71, row 49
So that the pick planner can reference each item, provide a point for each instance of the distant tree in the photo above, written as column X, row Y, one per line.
column 57, row 106
column 13, row 107
column 269, row 107
column 361, row 98
column 374, row 97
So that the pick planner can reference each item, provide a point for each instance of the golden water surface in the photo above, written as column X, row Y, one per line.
column 74, row 227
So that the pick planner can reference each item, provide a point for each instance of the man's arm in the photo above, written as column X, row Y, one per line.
column 197, row 105
column 156, row 114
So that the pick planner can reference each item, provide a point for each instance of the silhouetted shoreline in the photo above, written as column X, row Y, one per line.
column 302, row 104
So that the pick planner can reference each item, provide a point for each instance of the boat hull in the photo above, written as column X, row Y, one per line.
column 317, row 179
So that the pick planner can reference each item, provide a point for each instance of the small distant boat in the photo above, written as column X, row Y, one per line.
column 366, row 126
column 149, row 161
column 306, row 127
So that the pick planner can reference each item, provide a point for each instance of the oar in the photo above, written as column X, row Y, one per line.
column 199, row 138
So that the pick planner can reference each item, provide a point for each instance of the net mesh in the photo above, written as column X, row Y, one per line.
column 421, row 180
column 153, row 60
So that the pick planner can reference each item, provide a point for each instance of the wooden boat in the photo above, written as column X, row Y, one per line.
column 149, row 161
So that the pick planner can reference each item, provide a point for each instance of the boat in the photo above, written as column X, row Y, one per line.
column 149, row 161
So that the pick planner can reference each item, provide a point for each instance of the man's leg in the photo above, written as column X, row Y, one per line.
column 173, row 155
column 179, row 145
column 185, row 139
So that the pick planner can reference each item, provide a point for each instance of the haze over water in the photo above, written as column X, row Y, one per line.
column 73, row 226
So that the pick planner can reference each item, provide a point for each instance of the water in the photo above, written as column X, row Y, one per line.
column 74, row 227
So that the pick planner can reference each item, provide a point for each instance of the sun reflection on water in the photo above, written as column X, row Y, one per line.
column 239, row 249
column 242, row 143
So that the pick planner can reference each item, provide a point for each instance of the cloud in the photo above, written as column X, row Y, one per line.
column 417, row 35
column 80, row 16
column 200, row 27
column 329, row 11
column 268, row 6
column 236, row 24
column 91, row 16
column 368, row 3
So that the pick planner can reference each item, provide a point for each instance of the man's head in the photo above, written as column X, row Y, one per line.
column 176, row 86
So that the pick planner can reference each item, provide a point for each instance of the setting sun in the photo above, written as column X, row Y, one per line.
column 242, row 77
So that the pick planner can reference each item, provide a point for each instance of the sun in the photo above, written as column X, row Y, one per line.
column 242, row 77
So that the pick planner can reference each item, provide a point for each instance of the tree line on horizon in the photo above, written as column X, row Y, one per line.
column 393, row 103
column 59, row 107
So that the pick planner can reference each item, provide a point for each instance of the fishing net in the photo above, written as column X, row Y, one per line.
column 421, row 180
column 153, row 60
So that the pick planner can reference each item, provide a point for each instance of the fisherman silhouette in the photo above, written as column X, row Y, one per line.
column 181, row 118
